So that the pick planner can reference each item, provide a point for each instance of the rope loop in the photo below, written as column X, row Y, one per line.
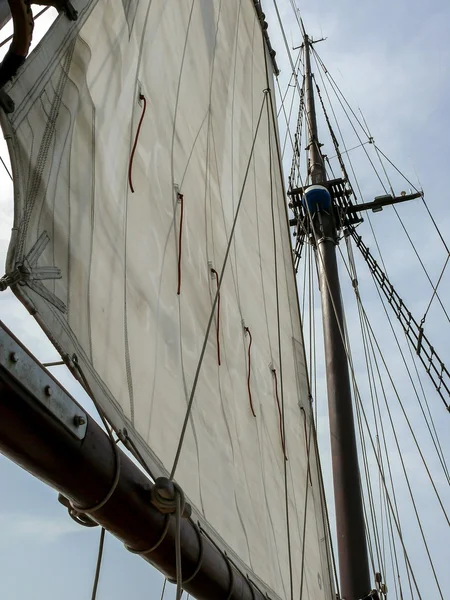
column 83, row 510
column 164, row 497
column 86, row 510
column 156, row 545
column 199, row 562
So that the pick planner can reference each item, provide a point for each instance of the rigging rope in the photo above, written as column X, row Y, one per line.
column 9, row 38
column 163, row 588
column 305, row 510
column 247, row 330
column 6, row 168
column 271, row 123
column 99, row 563
column 358, row 397
column 136, row 137
column 216, row 276
column 180, row 198
column 419, row 192
column 373, row 337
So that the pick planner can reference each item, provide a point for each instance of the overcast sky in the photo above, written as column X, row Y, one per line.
column 391, row 59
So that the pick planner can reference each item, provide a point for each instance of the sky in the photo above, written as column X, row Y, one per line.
column 390, row 59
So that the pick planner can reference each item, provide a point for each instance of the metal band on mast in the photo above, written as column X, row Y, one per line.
column 351, row 535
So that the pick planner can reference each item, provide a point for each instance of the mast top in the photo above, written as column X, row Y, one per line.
column 316, row 169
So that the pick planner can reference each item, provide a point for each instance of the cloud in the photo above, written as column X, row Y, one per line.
column 46, row 530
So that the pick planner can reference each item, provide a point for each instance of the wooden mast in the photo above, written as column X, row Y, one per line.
column 351, row 535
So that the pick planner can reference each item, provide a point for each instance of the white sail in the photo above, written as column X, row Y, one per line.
column 108, row 293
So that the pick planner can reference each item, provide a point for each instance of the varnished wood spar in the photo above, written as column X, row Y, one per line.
column 350, row 526
column 83, row 470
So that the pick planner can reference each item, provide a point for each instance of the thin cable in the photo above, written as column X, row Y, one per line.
column 6, row 168
column 271, row 118
column 302, row 572
column 178, row 565
column 419, row 192
column 353, row 276
column 398, row 447
column 163, row 589
column 247, row 330
column 9, row 38
column 321, row 68
column 359, row 400
column 136, row 137
column 435, row 290
column 180, row 198
column 99, row 563
column 325, row 509
column 421, row 263
column 219, row 284
column 443, row 464
column 405, row 473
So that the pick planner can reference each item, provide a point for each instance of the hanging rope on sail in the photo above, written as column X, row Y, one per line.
column 180, row 198
column 216, row 276
column 249, row 367
column 136, row 138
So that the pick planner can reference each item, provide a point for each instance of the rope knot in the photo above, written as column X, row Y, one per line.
column 164, row 497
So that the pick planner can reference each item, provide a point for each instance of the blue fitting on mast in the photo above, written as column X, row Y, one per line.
column 316, row 198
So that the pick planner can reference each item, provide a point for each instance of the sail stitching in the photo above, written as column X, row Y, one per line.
column 50, row 129
column 27, row 273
